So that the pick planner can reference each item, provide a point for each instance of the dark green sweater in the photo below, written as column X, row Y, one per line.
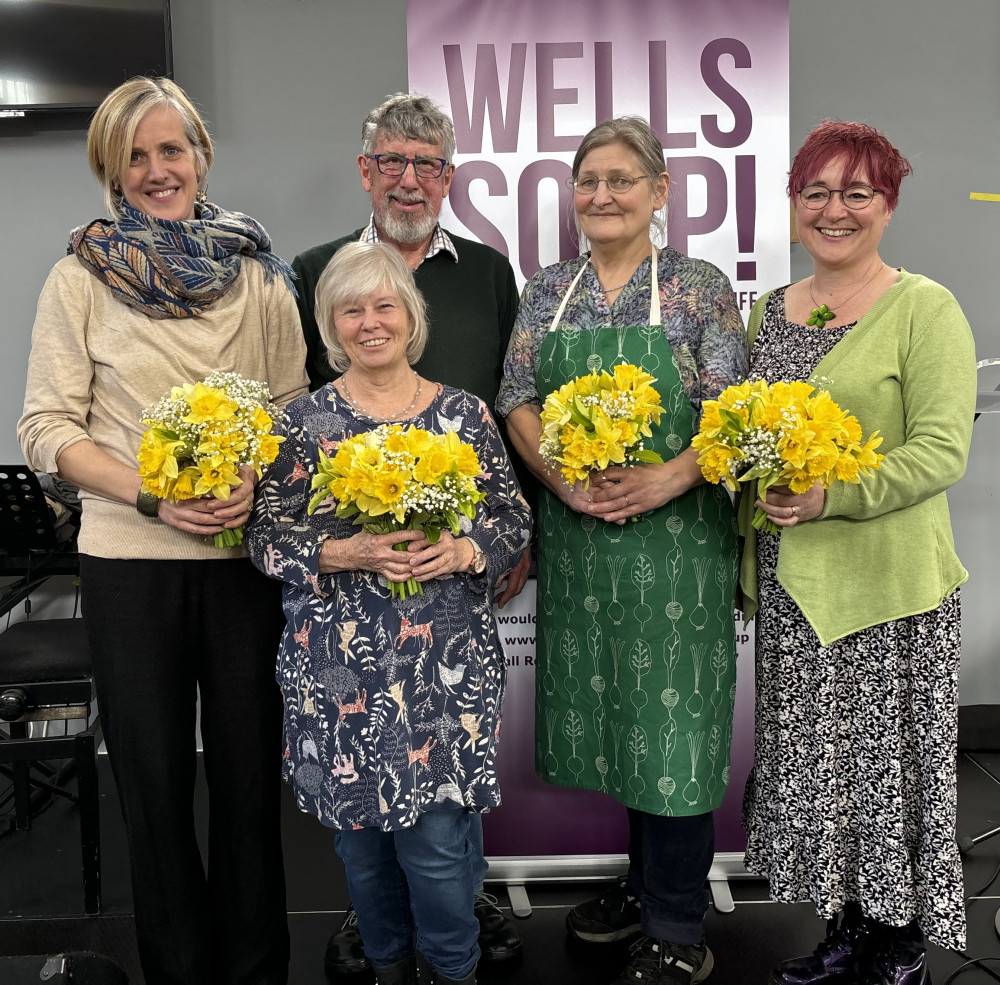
column 471, row 306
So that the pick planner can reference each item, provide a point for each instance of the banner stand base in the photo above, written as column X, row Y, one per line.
column 516, row 871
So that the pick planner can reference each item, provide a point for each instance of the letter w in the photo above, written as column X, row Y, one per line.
column 485, row 94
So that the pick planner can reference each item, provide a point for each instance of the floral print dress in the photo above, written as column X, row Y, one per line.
column 392, row 708
column 853, row 792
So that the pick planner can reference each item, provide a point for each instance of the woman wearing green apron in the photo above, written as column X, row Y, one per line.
column 636, row 654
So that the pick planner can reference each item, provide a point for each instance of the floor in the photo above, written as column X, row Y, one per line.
column 41, row 903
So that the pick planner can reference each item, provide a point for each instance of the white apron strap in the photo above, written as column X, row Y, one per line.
column 654, row 295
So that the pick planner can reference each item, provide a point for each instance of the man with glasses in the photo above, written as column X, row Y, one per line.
column 405, row 164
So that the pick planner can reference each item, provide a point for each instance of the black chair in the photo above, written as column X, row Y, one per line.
column 45, row 675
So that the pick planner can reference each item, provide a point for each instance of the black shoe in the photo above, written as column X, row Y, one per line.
column 345, row 954
column 612, row 917
column 656, row 962
column 401, row 973
column 834, row 960
column 498, row 940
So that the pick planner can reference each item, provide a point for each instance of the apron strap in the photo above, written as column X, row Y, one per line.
column 654, row 294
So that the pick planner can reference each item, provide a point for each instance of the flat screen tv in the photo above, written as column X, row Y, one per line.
column 66, row 55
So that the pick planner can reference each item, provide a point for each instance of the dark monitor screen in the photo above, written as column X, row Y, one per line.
column 68, row 54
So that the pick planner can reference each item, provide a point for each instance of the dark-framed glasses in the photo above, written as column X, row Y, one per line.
column 395, row 165
column 617, row 184
column 857, row 196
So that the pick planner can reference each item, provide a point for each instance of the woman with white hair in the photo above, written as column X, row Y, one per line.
column 392, row 706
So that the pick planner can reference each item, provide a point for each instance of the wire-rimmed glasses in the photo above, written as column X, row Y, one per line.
column 617, row 184
column 857, row 196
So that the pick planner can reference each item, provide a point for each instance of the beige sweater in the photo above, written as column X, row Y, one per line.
column 96, row 364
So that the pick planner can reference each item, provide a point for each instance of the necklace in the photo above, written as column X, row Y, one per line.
column 401, row 415
column 611, row 290
column 821, row 314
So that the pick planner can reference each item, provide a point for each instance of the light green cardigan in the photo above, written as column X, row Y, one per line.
column 908, row 370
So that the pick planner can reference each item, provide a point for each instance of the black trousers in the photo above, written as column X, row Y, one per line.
column 161, row 632
column 669, row 860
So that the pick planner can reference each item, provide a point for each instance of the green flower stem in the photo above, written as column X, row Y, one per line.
column 411, row 587
column 761, row 521
column 229, row 538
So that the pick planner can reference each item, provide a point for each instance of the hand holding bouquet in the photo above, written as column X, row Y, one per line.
column 600, row 419
column 781, row 434
column 393, row 479
column 198, row 436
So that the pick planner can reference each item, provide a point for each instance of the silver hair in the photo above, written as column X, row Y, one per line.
column 637, row 135
column 354, row 272
column 412, row 117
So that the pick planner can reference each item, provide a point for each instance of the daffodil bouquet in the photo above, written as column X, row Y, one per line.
column 199, row 434
column 598, row 420
column 395, row 478
column 781, row 434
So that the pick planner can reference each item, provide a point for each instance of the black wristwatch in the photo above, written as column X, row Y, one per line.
column 147, row 504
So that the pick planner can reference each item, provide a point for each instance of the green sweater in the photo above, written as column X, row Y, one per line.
column 471, row 307
column 908, row 370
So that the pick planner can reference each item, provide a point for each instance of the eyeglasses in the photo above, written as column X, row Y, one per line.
column 856, row 197
column 617, row 184
column 395, row 165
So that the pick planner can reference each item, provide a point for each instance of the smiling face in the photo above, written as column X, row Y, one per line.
column 162, row 177
column 406, row 207
column 835, row 235
column 619, row 220
column 373, row 330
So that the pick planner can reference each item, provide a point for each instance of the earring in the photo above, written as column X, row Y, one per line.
column 201, row 197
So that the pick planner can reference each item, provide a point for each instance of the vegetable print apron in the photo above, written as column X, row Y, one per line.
column 636, row 664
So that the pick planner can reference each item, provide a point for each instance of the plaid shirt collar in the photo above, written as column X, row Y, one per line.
column 440, row 240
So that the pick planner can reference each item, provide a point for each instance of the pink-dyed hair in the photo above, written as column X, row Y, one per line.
column 866, row 151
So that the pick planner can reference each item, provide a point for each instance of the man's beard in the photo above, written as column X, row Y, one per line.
column 406, row 228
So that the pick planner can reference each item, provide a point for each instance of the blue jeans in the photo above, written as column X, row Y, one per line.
column 479, row 865
column 420, row 880
column 669, row 860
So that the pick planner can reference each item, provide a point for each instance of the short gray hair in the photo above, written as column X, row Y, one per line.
column 354, row 272
column 637, row 135
column 411, row 117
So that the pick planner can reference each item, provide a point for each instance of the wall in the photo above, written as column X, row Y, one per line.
column 286, row 83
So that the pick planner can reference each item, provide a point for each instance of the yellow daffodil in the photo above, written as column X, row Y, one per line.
column 217, row 476
column 208, row 403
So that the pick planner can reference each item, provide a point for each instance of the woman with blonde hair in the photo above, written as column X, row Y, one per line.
column 167, row 290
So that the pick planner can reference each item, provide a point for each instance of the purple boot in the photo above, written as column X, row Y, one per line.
column 833, row 961
column 895, row 962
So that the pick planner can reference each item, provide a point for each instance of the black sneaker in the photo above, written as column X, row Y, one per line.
column 656, row 962
column 612, row 917
column 498, row 940
column 345, row 954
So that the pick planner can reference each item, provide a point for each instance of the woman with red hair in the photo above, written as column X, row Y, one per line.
column 851, row 802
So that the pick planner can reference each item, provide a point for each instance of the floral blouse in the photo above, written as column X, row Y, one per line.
column 697, row 309
column 392, row 708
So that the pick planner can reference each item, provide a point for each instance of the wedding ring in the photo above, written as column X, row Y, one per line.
column 795, row 511
column 626, row 500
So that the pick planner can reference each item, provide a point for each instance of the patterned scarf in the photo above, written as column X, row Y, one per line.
column 174, row 269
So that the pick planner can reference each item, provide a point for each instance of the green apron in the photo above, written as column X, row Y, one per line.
column 636, row 656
